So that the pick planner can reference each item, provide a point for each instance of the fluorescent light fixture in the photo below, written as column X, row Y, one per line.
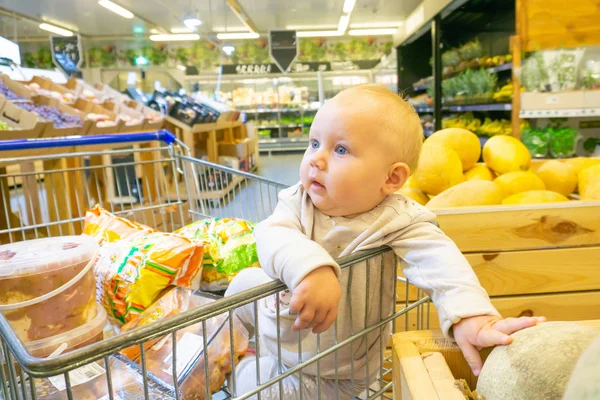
column 241, row 35
column 154, row 31
column 181, row 67
column 173, row 38
column 343, row 24
column 182, row 30
column 117, row 9
column 318, row 33
column 374, row 25
column 310, row 27
column 228, row 50
column 55, row 29
column 349, row 6
column 372, row 32
column 229, row 29
column 141, row 60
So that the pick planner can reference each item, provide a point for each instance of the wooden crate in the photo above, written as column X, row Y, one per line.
column 425, row 366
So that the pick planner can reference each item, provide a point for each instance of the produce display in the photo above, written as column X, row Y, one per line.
column 486, row 128
column 4, row 126
column 230, row 247
column 60, row 119
column 449, row 174
column 31, row 270
column 553, row 71
column 554, row 140
column 583, row 383
column 470, row 87
column 67, row 98
column 537, row 364
column 9, row 94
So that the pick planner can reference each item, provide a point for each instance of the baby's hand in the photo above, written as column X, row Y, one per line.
column 474, row 333
column 315, row 300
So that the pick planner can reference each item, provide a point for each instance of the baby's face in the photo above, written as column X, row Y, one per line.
column 345, row 166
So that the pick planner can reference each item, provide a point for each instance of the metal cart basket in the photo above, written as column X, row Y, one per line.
column 46, row 186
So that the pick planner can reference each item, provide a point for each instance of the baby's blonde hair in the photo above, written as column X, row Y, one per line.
column 403, row 133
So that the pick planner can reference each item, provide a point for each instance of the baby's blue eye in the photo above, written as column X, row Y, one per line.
column 341, row 150
column 314, row 144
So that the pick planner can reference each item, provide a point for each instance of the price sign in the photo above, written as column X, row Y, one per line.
column 66, row 53
column 283, row 46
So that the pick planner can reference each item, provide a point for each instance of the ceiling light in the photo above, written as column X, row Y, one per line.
column 228, row 50
column 318, row 33
column 181, row 67
column 373, row 32
column 349, row 5
column 191, row 20
column 309, row 27
column 155, row 31
column 229, row 29
column 241, row 35
column 172, row 38
column 56, row 29
column 182, row 30
column 343, row 24
column 117, row 9
column 371, row 25
column 141, row 60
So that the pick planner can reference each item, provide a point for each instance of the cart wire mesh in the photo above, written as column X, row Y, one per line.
column 153, row 180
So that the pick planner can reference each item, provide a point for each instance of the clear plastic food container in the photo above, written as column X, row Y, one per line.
column 47, row 286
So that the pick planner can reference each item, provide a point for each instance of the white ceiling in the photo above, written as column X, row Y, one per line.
column 90, row 19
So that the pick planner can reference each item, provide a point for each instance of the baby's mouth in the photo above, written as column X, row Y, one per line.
column 315, row 185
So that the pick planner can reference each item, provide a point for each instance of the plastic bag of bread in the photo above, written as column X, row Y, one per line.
column 190, row 364
column 172, row 302
column 132, row 273
column 231, row 247
column 106, row 227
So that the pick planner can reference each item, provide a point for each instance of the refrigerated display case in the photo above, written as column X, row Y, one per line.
column 282, row 106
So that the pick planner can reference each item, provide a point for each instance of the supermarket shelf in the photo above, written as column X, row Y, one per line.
column 424, row 110
column 470, row 107
column 280, row 126
column 577, row 113
column 479, row 107
column 498, row 68
column 275, row 110
column 282, row 144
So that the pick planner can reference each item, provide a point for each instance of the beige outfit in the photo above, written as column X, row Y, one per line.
column 298, row 238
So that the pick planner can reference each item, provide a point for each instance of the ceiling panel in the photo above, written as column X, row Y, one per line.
column 93, row 20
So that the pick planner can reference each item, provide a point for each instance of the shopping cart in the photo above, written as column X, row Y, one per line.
column 152, row 179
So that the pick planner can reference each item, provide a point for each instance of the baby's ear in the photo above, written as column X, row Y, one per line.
column 397, row 176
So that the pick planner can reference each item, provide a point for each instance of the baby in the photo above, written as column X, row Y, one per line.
column 364, row 143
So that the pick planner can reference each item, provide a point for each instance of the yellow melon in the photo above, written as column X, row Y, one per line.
column 580, row 163
column 517, row 182
column 410, row 183
column 480, row 172
column 439, row 169
column 416, row 194
column 504, row 154
column 558, row 177
column 592, row 191
column 464, row 142
column 534, row 197
column 588, row 179
column 469, row 193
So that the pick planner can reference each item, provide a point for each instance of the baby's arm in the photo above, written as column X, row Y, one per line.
column 436, row 265
column 288, row 254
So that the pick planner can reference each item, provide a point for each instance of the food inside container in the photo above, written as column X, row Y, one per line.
column 47, row 286
column 91, row 332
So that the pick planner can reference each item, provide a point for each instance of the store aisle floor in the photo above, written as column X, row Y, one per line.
column 281, row 167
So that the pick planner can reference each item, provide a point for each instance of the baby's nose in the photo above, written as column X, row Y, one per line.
column 318, row 161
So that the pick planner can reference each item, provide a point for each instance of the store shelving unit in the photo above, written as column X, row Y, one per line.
column 492, row 22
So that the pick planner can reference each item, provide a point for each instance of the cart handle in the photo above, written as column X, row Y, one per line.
column 162, row 135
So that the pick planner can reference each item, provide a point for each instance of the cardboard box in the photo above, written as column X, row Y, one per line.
column 591, row 98
column 553, row 101
column 18, row 88
column 47, row 84
column 28, row 124
column 53, row 131
column 238, row 150
column 88, row 107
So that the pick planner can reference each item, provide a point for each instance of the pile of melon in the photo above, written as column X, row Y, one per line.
column 449, row 175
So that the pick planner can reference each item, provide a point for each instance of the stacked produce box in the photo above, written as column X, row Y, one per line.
column 41, row 108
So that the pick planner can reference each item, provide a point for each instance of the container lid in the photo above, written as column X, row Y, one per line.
column 72, row 339
column 45, row 255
